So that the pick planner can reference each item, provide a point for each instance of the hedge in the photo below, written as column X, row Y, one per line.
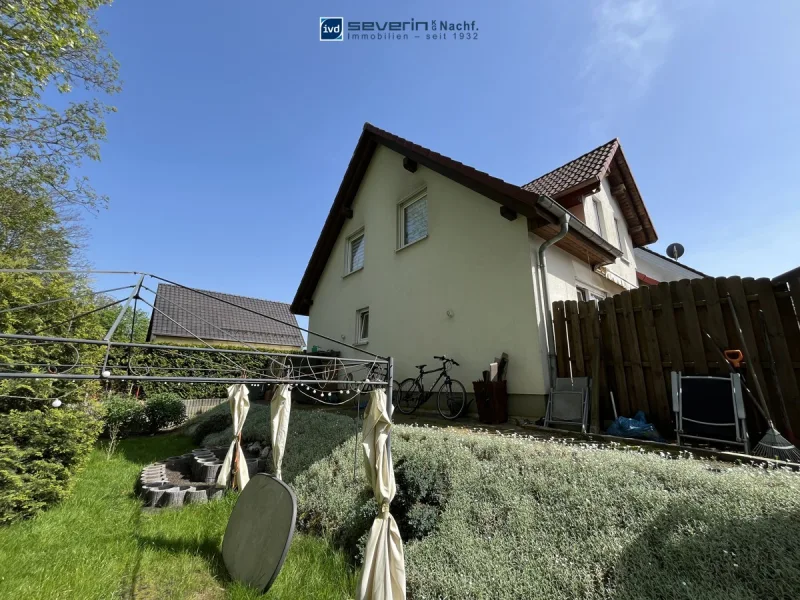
column 39, row 453
column 505, row 517
column 156, row 361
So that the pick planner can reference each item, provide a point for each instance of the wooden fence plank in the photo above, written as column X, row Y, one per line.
column 636, row 303
column 734, row 287
column 715, row 322
column 560, row 334
column 791, row 329
column 575, row 339
column 585, row 316
column 660, row 403
column 668, row 340
column 780, row 351
column 594, row 330
column 694, row 337
column 612, row 339
column 631, row 345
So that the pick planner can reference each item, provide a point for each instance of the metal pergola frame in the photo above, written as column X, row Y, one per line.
column 104, row 371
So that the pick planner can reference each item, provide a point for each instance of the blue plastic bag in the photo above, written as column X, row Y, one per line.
column 637, row 427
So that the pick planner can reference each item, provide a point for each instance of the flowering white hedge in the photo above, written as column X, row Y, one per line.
column 489, row 516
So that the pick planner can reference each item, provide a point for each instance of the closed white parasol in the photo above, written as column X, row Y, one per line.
column 238, row 398
column 384, row 574
column 280, row 407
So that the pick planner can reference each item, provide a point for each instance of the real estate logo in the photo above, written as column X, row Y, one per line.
column 331, row 29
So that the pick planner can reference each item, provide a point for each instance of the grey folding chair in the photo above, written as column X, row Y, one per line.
column 709, row 409
column 568, row 403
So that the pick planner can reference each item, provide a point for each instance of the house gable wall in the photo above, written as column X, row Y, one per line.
column 474, row 264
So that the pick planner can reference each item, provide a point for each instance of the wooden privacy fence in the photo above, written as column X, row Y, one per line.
column 644, row 334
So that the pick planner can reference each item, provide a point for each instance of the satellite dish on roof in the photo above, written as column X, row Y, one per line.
column 675, row 251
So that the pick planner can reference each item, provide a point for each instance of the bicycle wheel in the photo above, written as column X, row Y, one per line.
column 452, row 399
column 408, row 396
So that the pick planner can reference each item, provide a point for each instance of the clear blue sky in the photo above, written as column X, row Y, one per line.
column 236, row 124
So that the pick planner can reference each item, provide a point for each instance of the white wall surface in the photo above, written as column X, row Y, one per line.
column 625, row 267
column 661, row 269
column 474, row 263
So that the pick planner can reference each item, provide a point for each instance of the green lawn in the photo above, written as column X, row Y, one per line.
column 99, row 544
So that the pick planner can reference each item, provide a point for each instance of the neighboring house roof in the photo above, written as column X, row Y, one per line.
column 644, row 255
column 607, row 160
column 209, row 319
column 580, row 241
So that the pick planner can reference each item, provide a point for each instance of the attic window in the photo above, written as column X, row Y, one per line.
column 354, row 259
column 412, row 219
column 621, row 242
column 599, row 219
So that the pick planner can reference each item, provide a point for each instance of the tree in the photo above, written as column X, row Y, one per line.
column 30, row 226
column 43, row 45
column 123, row 333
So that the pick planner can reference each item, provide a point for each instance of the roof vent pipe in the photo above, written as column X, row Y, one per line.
column 548, row 313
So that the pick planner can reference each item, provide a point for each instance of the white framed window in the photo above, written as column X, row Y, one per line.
column 412, row 219
column 354, row 253
column 586, row 293
column 362, row 326
column 599, row 219
column 621, row 242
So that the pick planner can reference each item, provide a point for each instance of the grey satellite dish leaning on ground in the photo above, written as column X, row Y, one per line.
column 259, row 531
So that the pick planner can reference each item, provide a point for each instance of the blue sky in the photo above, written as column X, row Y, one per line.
column 236, row 124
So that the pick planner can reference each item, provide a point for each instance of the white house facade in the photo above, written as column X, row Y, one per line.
column 416, row 260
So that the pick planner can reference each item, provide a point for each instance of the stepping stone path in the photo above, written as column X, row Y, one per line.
column 187, row 479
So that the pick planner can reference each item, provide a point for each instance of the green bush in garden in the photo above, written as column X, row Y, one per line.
column 40, row 450
column 489, row 516
column 164, row 410
column 124, row 416
column 503, row 517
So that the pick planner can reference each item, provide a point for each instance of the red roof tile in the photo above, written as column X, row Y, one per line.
column 592, row 166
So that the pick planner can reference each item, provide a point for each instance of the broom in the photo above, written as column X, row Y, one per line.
column 773, row 444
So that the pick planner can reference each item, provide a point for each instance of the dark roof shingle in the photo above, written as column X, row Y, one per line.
column 210, row 319
column 589, row 167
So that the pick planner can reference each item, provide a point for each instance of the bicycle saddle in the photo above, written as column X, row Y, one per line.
column 420, row 366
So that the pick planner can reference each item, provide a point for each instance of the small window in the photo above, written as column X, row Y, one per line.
column 598, row 216
column 354, row 260
column 413, row 220
column 621, row 243
column 585, row 294
column 362, row 326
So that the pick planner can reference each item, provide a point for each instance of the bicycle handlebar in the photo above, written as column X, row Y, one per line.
column 445, row 359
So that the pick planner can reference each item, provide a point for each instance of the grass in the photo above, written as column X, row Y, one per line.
column 99, row 544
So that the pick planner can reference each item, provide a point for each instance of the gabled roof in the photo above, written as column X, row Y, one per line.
column 585, row 171
column 210, row 319
column 577, row 173
column 581, row 241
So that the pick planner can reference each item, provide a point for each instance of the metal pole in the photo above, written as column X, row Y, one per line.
column 40, row 339
column 134, row 293
column 389, row 406
column 46, row 302
column 167, row 379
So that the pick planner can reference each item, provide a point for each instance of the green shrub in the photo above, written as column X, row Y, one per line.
column 39, row 453
column 210, row 422
column 505, row 517
column 164, row 410
column 124, row 416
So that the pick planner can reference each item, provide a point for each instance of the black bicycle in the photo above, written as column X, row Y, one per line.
column 451, row 399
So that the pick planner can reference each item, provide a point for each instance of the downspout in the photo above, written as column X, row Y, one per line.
column 548, row 313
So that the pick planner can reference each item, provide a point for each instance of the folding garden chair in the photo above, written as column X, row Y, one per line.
column 709, row 409
column 568, row 403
